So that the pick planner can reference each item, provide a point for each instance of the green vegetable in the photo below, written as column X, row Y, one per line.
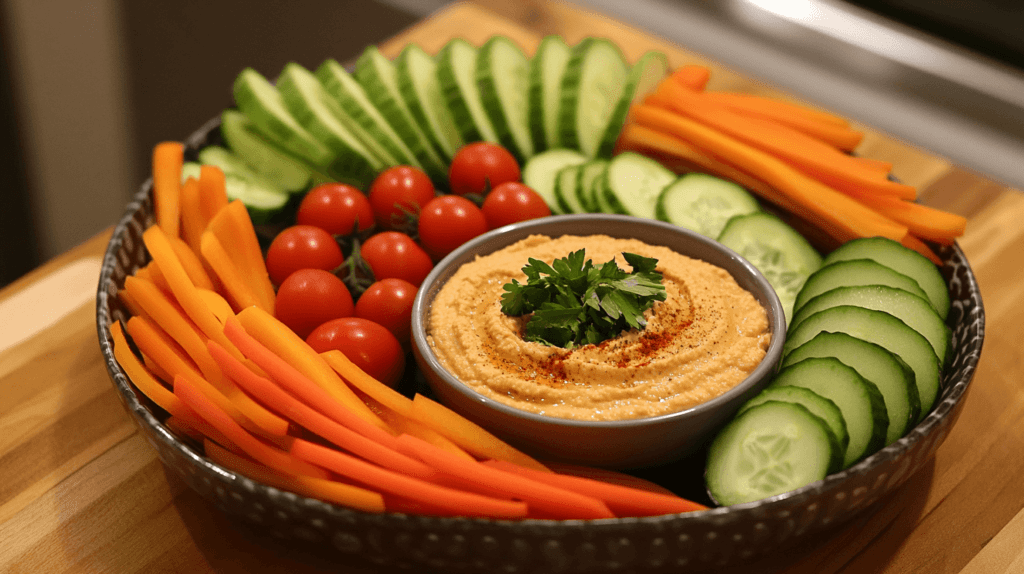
column 575, row 302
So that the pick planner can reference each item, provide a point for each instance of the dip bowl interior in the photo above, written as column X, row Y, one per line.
column 619, row 444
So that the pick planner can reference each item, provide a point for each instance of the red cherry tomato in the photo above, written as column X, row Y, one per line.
column 309, row 298
column 398, row 191
column 302, row 247
column 388, row 302
column 337, row 208
column 512, row 202
column 480, row 166
column 395, row 254
column 369, row 345
column 447, row 222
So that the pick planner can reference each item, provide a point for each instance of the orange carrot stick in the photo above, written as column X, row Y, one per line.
column 439, row 499
column 284, row 343
column 191, row 263
column 692, row 77
column 168, row 158
column 622, row 500
column 156, row 344
column 153, row 273
column 373, row 388
column 328, row 490
column 467, row 434
column 269, row 393
column 129, row 303
column 237, row 291
column 233, row 227
column 213, row 191
column 218, row 305
column 550, row 500
column 299, row 385
column 843, row 138
column 193, row 222
column 156, row 369
column 839, row 215
column 775, row 108
column 279, row 460
column 923, row 221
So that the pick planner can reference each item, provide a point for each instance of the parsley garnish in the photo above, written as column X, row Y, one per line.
column 575, row 302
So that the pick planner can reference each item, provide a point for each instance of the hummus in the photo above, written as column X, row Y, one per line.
column 704, row 339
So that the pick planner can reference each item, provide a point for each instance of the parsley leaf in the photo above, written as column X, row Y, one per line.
column 575, row 302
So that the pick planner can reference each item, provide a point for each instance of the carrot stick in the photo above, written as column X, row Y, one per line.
column 156, row 344
column 439, row 499
column 692, row 77
column 921, row 247
column 550, row 500
column 168, row 158
column 774, row 107
column 622, row 500
column 838, row 137
column 467, row 434
column 923, row 221
column 191, row 263
column 284, row 343
column 213, row 191
column 359, row 379
column 423, row 432
column 301, row 386
column 606, row 475
column 303, row 415
column 218, row 305
column 193, row 222
column 156, row 369
column 807, row 154
column 237, row 291
column 151, row 388
column 233, row 227
column 842, row 217
column 277, row 459
column 182, row 428
column 153, row 273
column 328, row 490
column 129, row 303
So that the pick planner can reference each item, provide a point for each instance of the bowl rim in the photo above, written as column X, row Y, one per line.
column 518, row 231
column 950, row 396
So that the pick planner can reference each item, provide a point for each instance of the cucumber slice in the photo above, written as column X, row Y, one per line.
column 594, row 79
column 539, row 173
column 261, row 197
column 352, row 98
column 901, row 259
column 565, row 189
column 854, row 272
column 821, row 407
column 502, row 76
column 770, row 449
column 544, row 94
column 417, row 82
column 314, row 108
column 784, row 256
column 590, row 172
column 643, row 77
column 860, row 401
column 265, row 158
column 260, row 101
column 915, row 311
column 379, row 79
column 632, row 184
column 884, row 330
column 892, row 376
column 456, row 74
column 703, row 203
column 602, row 197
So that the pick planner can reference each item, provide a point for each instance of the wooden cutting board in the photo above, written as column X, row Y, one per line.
column 82, row 491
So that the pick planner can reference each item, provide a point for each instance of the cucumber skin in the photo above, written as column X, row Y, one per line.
column 487, row 84
column 405, row 62
column 392, row 107
column 569, row 105
column 552, row 46
column 635, row 88
column 447, row 78
column 717, row 476
column 854, row 272
column 263, row 156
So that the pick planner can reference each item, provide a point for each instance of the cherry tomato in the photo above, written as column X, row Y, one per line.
column 512, row 202
column 398, row 191
column 302, row 247
column 388, row 302
column 447, row 222
column 337, row 208
column 309, row 298
column 395, row 254
column 480, row 166
column 369, row 345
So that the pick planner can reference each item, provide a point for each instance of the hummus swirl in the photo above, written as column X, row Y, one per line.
column 704, row 339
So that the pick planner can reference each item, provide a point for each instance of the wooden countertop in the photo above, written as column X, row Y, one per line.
column 82, row 491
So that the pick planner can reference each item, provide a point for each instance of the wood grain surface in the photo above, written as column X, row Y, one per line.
column 82, row 491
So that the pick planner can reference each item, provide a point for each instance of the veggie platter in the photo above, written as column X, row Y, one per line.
column 657, row 127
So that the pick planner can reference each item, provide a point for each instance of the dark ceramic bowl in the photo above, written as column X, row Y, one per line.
column 619, row 444
column 715, row 538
